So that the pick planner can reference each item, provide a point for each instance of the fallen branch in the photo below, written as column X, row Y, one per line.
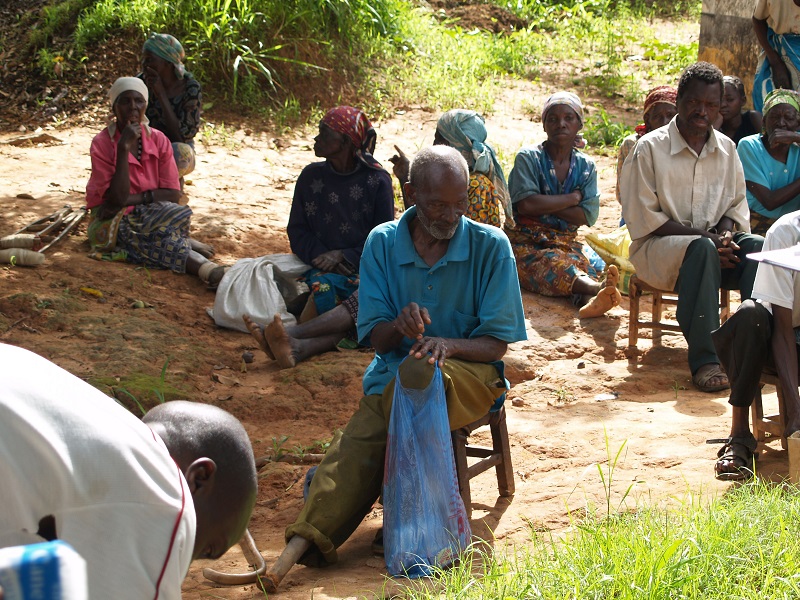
column 303, row 459
column 14, row 324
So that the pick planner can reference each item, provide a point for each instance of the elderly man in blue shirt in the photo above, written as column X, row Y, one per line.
column 435, row 286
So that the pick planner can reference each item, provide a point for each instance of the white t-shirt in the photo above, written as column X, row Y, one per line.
column 776, row 285
column 68, row 450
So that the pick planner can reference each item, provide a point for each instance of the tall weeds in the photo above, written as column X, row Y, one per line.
column 742, row 546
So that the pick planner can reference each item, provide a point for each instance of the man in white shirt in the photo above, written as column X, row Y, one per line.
column 683, row 199
column 762, row 334
column 137, row 500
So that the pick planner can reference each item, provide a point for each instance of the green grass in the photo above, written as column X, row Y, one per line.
column 743, row 546
column 138, row 392
column 381, row 53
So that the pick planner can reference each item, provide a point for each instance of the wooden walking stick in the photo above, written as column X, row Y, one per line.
column 296, row 547
column 254, row 559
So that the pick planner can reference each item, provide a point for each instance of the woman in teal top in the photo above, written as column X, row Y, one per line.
column 771, row 161
column 554, row 191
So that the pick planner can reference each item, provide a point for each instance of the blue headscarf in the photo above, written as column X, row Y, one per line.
column 464, row 130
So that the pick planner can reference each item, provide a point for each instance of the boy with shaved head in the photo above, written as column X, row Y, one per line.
column 137, row 500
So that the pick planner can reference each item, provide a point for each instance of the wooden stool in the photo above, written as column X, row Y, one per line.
column 498, row 456
column 769, row 424
column 661, row 298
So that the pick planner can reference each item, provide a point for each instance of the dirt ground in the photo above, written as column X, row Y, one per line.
column 576, row 396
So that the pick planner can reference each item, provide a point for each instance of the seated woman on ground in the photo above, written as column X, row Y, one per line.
column 133, row 192
column 175, row 97
column 554, row 191
column 488, row 191
column 736, row 123
column 771, row 162
column 659, row 108
column 465, row 131
column 336, row 203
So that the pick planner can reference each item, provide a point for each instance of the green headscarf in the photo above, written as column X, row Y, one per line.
column 776, row 97
column 464, row 130
column 169, row 48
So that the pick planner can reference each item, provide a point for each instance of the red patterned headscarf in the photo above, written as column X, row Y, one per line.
column 666, row 94
column 353, row 123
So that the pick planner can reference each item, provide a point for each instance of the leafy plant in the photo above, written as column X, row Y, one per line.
column 676, row 387
column 601, row 130
column 607, row 476
column 277, row 446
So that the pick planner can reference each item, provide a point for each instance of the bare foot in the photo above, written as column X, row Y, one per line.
column 606, row 299
column 201, row 248
column 258, row 335
column 612, row 276
column 280, row 343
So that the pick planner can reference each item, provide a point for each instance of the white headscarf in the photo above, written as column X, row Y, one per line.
column 126, row 84
column 567, row 98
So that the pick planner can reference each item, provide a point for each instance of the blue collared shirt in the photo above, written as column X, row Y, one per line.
column 472, row 291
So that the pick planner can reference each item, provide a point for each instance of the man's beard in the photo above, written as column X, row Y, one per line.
column 435, row 230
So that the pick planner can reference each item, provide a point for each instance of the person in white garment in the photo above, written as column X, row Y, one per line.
column 137, row 499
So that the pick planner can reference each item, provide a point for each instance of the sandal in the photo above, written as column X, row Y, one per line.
column 740, row 454
column 702, row 377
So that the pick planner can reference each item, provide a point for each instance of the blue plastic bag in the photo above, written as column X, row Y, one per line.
column 424, row 520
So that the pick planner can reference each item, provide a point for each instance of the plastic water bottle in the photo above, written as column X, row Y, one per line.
column 47, row 571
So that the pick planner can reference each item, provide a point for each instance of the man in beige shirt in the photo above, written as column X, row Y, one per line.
column 683, row 199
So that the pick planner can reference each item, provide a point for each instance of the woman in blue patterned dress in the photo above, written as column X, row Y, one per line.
column 553, row 190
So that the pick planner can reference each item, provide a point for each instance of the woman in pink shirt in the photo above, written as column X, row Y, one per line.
column 133, row 193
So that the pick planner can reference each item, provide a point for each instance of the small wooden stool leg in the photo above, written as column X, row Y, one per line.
column 459, row 437
column 724, row 305
column 500, row 444
column 633, row 320
column 658, row 312
column 781, row 412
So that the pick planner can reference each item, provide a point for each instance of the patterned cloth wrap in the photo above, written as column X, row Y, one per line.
column 329, row 289
column 787, row 45
column 353, row 123
column 760, row 224
column 169, row 48
column 103, row 234
column 549, row 254
column 663, row 94
column 155, row 235
column 465, row 131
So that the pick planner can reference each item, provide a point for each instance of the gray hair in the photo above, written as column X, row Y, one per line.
column 432, row 158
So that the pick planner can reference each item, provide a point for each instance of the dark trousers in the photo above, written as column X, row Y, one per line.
column 744, row 347
column 699, row 281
